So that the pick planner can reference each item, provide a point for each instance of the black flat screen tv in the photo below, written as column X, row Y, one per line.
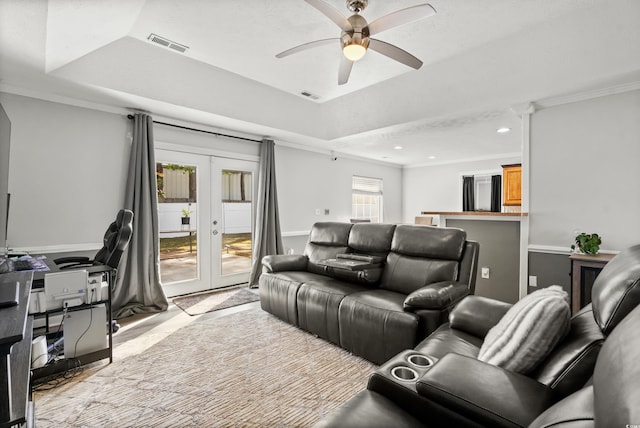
column 5, row 143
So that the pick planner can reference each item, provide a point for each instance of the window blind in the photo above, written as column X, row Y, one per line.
column 366, row 185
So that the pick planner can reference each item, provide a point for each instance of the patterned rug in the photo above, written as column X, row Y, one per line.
column 246, row 369
column 201, row 303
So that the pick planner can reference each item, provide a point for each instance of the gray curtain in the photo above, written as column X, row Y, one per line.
column 138, row 288
column 468, row 193
column 267, row 238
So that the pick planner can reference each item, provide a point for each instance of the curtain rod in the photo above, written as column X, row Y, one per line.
column 218, row 134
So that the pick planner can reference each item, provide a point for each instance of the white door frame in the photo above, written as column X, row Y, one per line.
column 219, row 164
column 202, row 281
column 209, row 206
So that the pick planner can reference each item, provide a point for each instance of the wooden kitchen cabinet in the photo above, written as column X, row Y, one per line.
column 512, row 184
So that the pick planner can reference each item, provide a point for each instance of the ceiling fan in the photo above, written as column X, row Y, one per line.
column 355, row 38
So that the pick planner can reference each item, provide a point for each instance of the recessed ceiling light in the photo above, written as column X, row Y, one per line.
column 503, row 130
column 398, row 147
column 431, row 157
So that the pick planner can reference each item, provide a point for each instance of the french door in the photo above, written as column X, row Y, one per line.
column 205, row 211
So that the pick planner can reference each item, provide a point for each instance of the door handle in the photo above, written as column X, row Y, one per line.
column 215, row 232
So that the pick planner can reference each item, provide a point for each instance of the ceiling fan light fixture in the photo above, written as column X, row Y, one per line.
column 354, row 51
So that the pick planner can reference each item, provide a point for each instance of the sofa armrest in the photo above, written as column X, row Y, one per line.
column 285, row 262
column 485, row 393
column 477, row 315
column 436, row 296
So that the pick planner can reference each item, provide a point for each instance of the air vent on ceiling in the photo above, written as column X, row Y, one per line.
column 167, row 43
column 310, row 95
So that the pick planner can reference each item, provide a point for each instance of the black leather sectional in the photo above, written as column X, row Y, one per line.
column 381, row 309
column 590, row 378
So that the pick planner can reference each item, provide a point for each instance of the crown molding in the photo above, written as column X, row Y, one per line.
column 335, row 153
column 586, row 95
column 473, row 159
column 60, row 99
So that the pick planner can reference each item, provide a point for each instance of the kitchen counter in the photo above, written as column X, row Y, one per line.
column 474, row 213
column 440, row 217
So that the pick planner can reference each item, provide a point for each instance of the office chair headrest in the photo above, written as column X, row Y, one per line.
column 116, row 239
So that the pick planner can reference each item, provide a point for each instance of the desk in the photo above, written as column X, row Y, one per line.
column 15, row 355
column 63, row 365
column 584, row 271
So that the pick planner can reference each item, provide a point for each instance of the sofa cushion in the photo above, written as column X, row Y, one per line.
column 436, row 296
column 616, row 375
column 477, row 315
column 445, row 340
column 318, row 304
column 405, row 274
column 284, row 262
column 529, row 330
column 616, row 290
column 369, row 409
column 444, row 243
column 371, row 238
column 374, row 325
column 572, row 361
column 326, row 240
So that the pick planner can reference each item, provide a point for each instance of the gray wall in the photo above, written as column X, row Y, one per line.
column 550, row 269
column 500, row 252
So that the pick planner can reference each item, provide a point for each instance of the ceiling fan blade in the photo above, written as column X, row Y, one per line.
column 305, row 46
column 332, row 13
column 344, row 71
column 395, row 52
column 401, row 17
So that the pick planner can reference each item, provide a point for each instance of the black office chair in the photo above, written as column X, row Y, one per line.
column 116, row 239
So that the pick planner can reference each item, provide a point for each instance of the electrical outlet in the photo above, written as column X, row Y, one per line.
column 327, row 211
column 318, row 211
column 484, row 272
column 533, row 281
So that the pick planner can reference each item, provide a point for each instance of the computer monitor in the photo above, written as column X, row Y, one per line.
column 65, row 288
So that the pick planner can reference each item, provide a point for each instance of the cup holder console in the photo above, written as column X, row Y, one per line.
column 404, row 373
column 397, row 379
column 420, row 360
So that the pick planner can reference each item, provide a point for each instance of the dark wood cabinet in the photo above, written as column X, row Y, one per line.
column 584, row 271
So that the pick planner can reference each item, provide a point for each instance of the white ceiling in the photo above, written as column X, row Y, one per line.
column 480, row 59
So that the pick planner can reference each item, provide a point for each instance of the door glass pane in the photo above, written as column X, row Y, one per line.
column 236, row 221
column 177, row 214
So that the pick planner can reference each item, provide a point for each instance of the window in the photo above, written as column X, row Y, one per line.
column 366, row 199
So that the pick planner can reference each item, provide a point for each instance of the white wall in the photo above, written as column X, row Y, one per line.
column 584, row 172
column 67, row 172
column 439, row 187
column 308, row 180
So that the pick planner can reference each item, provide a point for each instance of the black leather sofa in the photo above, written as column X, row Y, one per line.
column 384, row 308
column 590, row 379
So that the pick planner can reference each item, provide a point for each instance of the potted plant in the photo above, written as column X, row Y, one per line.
column 587, row 243
column 186, row 216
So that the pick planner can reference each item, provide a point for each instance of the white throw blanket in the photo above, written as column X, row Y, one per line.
column 528, row 332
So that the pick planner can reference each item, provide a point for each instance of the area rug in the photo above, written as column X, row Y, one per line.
column 201, row 303
column 245, row 369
